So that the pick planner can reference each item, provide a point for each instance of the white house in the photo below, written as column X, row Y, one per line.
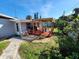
column 7, row 28
column 10, row 26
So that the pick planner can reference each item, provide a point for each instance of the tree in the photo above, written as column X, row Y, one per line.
column 29, row 17
column 63, row 18
column 36, row 15
column 76, row 11
column 61, row 23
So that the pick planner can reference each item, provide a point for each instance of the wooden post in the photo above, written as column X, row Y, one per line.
column 33, row 25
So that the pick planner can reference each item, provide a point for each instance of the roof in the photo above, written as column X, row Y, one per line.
column 34, row 21
column 22, row 21
column 6, row 16
column 46, row 20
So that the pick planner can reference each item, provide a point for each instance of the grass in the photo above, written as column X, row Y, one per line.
column 3, row 45
column 29, row 50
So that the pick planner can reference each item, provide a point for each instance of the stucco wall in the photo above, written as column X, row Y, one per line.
column 23, row 27
column 7, row 28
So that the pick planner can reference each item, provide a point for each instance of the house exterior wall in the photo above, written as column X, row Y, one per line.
column 7, row 28
column 23, row 27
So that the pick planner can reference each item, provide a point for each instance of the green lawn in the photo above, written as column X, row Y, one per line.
column 59, row 47
column 29, row 50
column 3, row 45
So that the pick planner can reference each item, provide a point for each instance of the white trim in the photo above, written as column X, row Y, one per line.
column 21, row 21
column 3, row 15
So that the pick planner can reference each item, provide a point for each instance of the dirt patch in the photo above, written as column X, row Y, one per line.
column 43, row 40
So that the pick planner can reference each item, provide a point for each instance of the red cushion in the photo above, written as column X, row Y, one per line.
column 46, row 34
column 38, row 32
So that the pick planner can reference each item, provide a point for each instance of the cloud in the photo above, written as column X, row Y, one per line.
column 30, row 6
column 46, row 9
column 69, row 12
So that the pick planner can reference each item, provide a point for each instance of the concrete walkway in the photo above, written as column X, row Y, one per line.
column 11, row 52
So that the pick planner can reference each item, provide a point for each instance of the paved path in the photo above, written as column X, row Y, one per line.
column 11, row 52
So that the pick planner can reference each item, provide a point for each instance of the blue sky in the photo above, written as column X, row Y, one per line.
column 46, row 8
